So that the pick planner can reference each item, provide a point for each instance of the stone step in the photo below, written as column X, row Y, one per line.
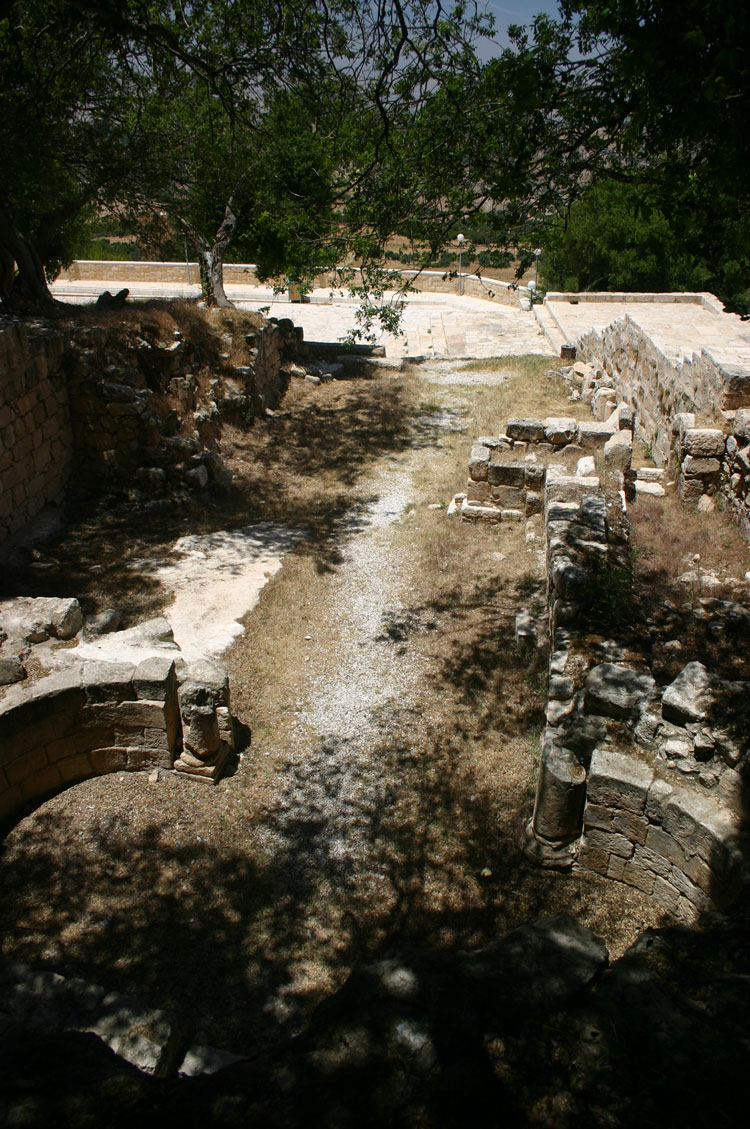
column 549, row 327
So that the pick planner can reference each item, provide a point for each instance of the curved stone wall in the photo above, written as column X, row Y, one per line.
column 92, row 719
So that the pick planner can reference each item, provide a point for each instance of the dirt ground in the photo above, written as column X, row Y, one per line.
column 395, row 732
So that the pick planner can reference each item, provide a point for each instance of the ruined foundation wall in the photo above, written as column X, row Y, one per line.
column 36, row 442
column 692, row 412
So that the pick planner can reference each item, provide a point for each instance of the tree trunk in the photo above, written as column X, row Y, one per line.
column 29, row 291
column 211, row 257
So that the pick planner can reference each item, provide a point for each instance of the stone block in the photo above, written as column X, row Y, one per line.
column 155, row 679
column 703, row 442
column 479, row 461
column 472, row 512
column 560, row 430
column 62, row 747
column 594, row 858
column 593, row 434
column 41, row 783
column 74, row 768
column 611, row 842
column 665, row 896
column 503, row 473
column 741, row 424
column 533, row 503
column 508, row 497
column 141, row 713
column 654, row 862
column 689, row 489
column 478, row 491
column 108, row 681
column 111, row 759
column 632, row 875
column 31, row 763
column 617, row 690
column 530, row 430
column 618, row 781
column 693, row 467
column 618, row 451
column 689, row 698
column 534, row 474
column 658, row 798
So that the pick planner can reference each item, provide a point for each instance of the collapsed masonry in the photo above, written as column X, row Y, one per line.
column 638, row 782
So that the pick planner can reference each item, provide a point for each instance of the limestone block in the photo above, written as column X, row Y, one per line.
column 666, row 896
column 473, row 512
column 36, row 619
column 616, row 690
column 611, row 842
column 568, row 579
column 693, row 467
column 585, row 466
column 508, row 497
column 603, row 403
column 653, row 861
column 741, row 424
column 618, row 780
column 689, row 489
column 503, row 473
column 618, row 451
column 514, row 516
column 682, row 422
column 559, row 430
column 479, row 461
column 594, row 858
column 690, row 697
column 533, row 503
column 478, row 491
column 534, row 474
column 531, row 430
column 649, row 489
column 703, row 442
column 593, row 434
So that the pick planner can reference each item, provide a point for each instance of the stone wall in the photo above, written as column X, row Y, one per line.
column 244, row 274
column 97, row 717
column 125, row 411
column 36, row 442
column 693, row 411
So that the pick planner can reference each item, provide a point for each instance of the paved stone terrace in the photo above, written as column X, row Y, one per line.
column 677, row 328
column 435, row 325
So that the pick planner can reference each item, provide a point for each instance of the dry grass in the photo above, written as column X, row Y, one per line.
column 667, row 534
column 180, row 894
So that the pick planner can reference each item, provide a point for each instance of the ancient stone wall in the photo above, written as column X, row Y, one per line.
column 69, row 406
column 96, row 717
column 244, row 274
column 693, row 412
column 36, row 442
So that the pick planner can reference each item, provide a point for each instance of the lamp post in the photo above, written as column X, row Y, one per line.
column 537, row 253
column 460, row 241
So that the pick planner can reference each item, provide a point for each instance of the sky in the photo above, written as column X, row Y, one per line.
column 513, row 12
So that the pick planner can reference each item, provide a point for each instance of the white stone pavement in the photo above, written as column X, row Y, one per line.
column 677, row 328
column 434, row 325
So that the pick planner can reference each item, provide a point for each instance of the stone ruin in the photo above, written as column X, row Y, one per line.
column 149, row 711
column 639, row 782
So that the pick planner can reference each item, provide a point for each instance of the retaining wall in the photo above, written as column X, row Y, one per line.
column 36, row 441
column 244, row 274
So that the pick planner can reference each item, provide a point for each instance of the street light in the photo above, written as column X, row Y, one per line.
column 460, row 241
column 537, row 253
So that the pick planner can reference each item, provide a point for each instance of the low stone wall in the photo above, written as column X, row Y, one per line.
column 36, row 442
column 100, row 717
column 244, row 274
column 639, row 783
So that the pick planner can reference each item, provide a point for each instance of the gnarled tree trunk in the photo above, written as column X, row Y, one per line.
column 211, row 256
column 28, row 290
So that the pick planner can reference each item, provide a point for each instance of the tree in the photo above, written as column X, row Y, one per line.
column 198, row 111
